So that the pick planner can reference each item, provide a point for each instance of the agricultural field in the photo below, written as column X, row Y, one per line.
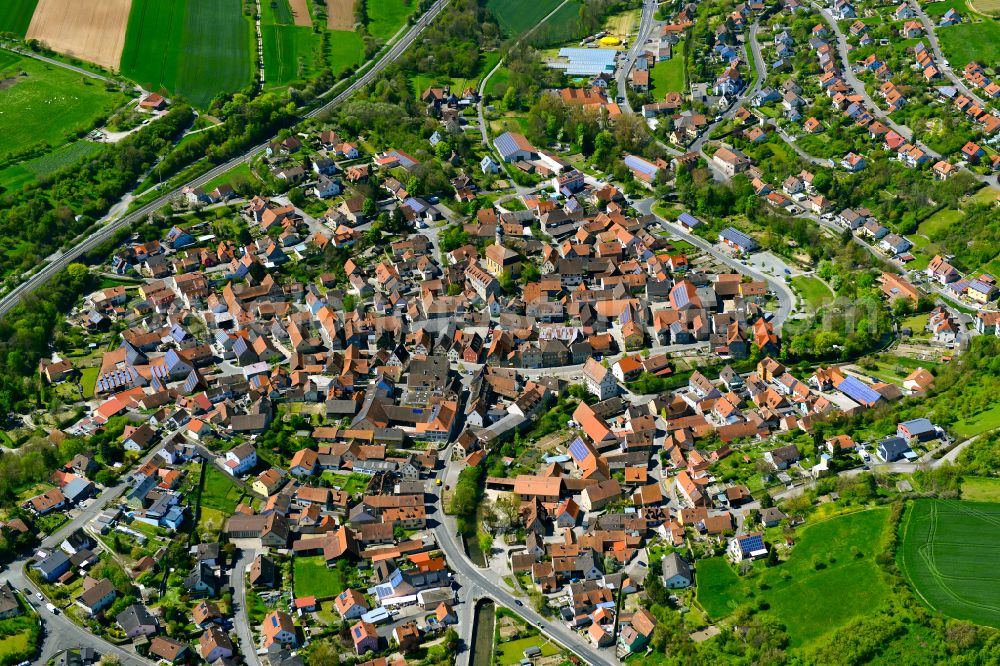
column 17, row 176
column 668, row 75
column 987, row 7
column 189, row 49
column 386, row 17
column 832, row 560
column 340, row 15
column 92, row 30
column 42, row 103
column 948, row 552
column 15, row 16
column 965, row 42
column 516, row 16
column 290, row 49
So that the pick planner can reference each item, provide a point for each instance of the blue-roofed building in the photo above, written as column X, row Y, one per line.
column 738, row 240
column 488, row 165
column 892, row 449
column 642, row 169
column 858, row 391
column 920, row 430
column 54, row 565
column 689, row 221
column 514, row 147
column 178, row 238
column 747, row 547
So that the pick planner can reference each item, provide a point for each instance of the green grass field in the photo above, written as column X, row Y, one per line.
column 512, row 652
column 938, row 9
column 219, row 491
column 288, row 53
column 812, row 289
column 939, row 222
column 386, row 17
column 809, row 601
column 965, row 42
column 981, row 489
column 948, row 552
column 988, row 419
column 241, row 172
column 516, row 16
column 346, row 50
column 313, row 577
column 48, row 105
column 15, row 16
column 668, row 75
column 16, row 176
column 194, row 49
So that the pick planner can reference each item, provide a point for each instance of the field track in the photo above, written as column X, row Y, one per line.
column 340, row 15
column 300, row 10
column 92, row 30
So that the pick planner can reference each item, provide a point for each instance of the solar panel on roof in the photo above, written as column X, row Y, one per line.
column 854, row 388
column 689, row 220
column 578, row 450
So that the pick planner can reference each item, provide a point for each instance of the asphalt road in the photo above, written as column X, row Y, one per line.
column 939, row 56
column 241, row 621
column 479, row 583
column 60, row 632
column 110, row 226
column 786, row 299
column 625, row 64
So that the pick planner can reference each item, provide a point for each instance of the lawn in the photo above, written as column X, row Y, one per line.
column 812, row 289
column 211, row 519
column 219, row 491
column 716, row 581
column 239, row 173
column 346, row 50
column 981, row 489
column 516, row 16
column 313, row 577
column 668, row 75
column 88, row 380
column 948, row 552
column 15, row 16
column 50, row 104
column 192, row 49
column 512, row 652
column 386, row 17
column 965, row 42
column 939, row 222
column 822, row 571
column 352, row 484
